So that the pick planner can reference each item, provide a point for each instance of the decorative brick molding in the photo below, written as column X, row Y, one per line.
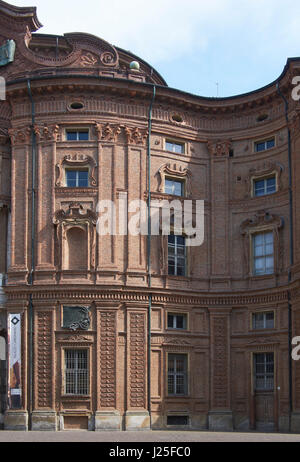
column 107, row 354
column 44, row 360
column 263, row 221
column 76, row 160
column 177, row 172
column 137, row 359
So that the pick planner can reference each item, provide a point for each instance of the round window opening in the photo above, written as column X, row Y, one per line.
column 76, row 105
column 177, row 118
column 262, row 117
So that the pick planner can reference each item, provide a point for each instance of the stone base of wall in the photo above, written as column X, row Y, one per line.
column 220, row 421
column 16, row 420
column 44, row 421
column 136, row 421
column 295, row 422
column 108, row 421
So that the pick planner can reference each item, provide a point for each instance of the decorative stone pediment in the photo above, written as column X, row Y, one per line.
column 76, row 160
column 264, row 170
column 176, row 171
column 75, row 214
column 262, row 220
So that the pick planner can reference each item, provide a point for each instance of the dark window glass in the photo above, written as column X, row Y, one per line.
column 77, row 178
column 77, row 135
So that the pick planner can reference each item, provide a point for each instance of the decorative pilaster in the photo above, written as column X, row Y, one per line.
column 220, row 415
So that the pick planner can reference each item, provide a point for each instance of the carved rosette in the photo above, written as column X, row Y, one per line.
column 177, row 172
column 219, row 148
column 263, row 221
column 76, row 160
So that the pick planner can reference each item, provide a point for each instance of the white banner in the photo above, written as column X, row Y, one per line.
column 14, row 361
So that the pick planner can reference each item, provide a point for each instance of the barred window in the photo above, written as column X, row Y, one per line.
column 76, row 372
column 264, row 371
column 263, row 320
column 177, row 375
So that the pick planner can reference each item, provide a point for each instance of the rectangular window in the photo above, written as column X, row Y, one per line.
column 176, row 255
column 263, row 253
column 177, row 375
column 77, row 178
column 265, row 186
column 178, row 148
column 264, row 371
column 174, row 187
column 76, row 372
column 177, row 321
column 77, row 135
column 263, row 320
column 264, row 145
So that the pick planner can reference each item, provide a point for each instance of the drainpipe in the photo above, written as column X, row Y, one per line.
column 149, row 252
column 286, row 104
column 32, row 269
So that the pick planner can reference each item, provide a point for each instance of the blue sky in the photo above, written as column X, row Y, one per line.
column 240, row 44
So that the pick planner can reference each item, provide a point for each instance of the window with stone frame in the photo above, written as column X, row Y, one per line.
column 177, row 321
column 263, row 320
column 263, row 371
column 177, row 374
column 77, row 178
column 174, row 187
column 264, row 186
column 263, row 253
column 175, row 146
column 76, row 372
column 77, row 134
column 264, row 144
column 177, row 255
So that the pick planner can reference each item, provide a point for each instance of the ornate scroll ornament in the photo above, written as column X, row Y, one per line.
column 264, row 170
column 20, row 136
column 262, row 221
column 75, row 217
column 107, row 132
column 177, row 172
column 136, row 135
column 219, row 148
column 7, row 52
column 109, row 59
column 76, row 160
column 76, row 317
column 46, row 133
column 88, row 59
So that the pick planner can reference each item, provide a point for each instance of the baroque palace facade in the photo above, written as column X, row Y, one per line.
column 98, row 333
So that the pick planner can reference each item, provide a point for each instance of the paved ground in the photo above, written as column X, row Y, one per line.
column 141, row 437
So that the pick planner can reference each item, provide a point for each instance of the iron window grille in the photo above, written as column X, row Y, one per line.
column 76, row 372
column 264, row 371
column 177, row 375
column 263, row 253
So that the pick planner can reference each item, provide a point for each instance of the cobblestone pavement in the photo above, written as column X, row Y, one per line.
column 140, row 437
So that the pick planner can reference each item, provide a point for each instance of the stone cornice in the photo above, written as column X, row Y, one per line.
column 141, row 297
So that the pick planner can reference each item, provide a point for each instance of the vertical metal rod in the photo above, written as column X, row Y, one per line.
column 149, row 252
column 291, row 227
column 31, row 273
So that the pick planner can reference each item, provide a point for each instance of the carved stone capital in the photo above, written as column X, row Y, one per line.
column 219, row 148
column 107, row 132
column 136, row 136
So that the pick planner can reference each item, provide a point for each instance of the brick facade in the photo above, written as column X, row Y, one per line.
column 74, row 266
